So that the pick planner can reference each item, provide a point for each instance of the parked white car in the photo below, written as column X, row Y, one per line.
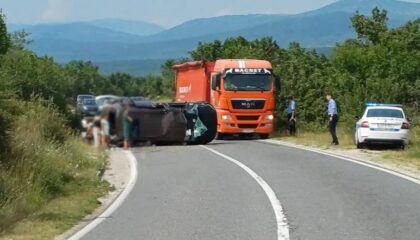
column 382, row 124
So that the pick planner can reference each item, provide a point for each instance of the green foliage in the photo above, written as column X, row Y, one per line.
column 370, row 28
column 4, row 36
column 43, row 159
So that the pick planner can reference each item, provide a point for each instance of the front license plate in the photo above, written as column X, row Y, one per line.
column 248, row 130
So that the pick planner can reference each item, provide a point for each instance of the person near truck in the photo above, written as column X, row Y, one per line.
column 291, row 115
column 333, row 119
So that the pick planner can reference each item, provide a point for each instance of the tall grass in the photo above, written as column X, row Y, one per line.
column 43, row 158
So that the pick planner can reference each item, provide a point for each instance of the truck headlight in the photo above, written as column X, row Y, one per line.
column 226, row 117
column 269, row 117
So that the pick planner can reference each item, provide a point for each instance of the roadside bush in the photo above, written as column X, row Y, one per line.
column 44, row 158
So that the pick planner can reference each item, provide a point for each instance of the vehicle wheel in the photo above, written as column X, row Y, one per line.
column 402, row 146
column 264, row 136
column 220, row 136
column 359, row 145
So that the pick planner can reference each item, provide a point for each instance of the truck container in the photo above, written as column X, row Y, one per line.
column 241, row 91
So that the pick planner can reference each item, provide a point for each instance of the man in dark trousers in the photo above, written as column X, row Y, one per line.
column 333, row 119
column 291, row 115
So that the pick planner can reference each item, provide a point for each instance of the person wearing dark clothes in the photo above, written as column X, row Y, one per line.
column 333, row 119
column 291, row 115
column 127, row 123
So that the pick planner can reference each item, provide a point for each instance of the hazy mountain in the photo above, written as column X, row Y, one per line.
column 139, row 28
column 78, row 32
column 394, row 7
column 209, row 26
column 106, row 41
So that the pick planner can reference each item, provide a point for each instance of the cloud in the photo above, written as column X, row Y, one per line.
column 57, row 10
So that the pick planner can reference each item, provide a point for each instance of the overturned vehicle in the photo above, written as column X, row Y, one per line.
column 163, row 123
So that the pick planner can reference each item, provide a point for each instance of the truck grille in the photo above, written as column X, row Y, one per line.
column 248, row 104
column 247, row 125
column 247, row 118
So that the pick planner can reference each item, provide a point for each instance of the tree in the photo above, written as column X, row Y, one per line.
column 4, row 36
column 370, row 28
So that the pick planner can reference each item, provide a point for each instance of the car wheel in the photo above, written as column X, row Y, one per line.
column 359, row 145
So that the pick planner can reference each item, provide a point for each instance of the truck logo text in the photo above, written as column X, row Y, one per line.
column 247, row 71
column 184, row 90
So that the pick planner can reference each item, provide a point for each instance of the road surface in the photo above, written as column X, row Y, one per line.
column 190, row 192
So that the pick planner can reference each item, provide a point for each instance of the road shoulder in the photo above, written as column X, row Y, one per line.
column 118, row 174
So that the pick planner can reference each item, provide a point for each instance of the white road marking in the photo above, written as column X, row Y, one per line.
column 360, row 162
column 282, row 225
column 117, row 203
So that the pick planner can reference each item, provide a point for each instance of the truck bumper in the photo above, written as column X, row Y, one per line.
column 237, row 123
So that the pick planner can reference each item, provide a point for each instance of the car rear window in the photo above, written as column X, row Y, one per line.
column 389, row 113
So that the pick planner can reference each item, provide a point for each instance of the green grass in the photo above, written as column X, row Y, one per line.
column 49, row 179
column 410, row 157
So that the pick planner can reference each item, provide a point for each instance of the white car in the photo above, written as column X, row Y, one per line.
column 382, row 123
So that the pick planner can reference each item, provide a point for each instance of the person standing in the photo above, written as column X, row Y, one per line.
column 105, row 131
column 333, row 119
column 127, row 123
column 291, row 115
column 96, row 131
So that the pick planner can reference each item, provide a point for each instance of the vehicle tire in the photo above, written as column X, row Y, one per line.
column 264, row 136
column 359, row 145
column 402, row 146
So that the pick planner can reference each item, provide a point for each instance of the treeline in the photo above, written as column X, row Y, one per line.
column 40, row 157
column 380, row 65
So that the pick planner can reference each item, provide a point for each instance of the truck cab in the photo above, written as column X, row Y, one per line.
column 242, row 91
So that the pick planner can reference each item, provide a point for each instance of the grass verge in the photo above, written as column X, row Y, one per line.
column 49, row 179
column 410, row 157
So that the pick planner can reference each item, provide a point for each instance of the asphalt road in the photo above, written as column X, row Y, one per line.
column 189, row 192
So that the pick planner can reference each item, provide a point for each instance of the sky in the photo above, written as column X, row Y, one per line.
column 166, row 13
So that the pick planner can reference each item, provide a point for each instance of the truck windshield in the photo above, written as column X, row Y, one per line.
column 243, row 82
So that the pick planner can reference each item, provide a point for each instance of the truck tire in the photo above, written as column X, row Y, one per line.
column 220, row 136
column 208, row 116
column 264, row 136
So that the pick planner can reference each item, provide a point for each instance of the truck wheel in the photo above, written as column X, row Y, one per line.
column 264, row 136
column 220, row 136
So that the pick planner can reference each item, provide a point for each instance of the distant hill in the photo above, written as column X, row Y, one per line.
column 209, row 26
column 394, row 7
column 108, row 41
column 139, row 28
column 79, row 32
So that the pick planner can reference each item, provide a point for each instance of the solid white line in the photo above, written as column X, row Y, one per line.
column 366, row 164
column 282, row 225
column 118, row 202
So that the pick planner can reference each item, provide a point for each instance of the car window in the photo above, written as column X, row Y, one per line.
column 89, row 102
column 389, row 113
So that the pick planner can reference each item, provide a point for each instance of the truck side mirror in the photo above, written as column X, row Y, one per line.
column 215, row 82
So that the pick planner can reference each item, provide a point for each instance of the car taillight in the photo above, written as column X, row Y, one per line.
column 365, row 124
column 405, row 126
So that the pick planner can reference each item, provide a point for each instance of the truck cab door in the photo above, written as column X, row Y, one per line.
column 215, row 88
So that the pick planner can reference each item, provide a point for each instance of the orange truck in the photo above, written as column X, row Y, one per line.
column 241, row 91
